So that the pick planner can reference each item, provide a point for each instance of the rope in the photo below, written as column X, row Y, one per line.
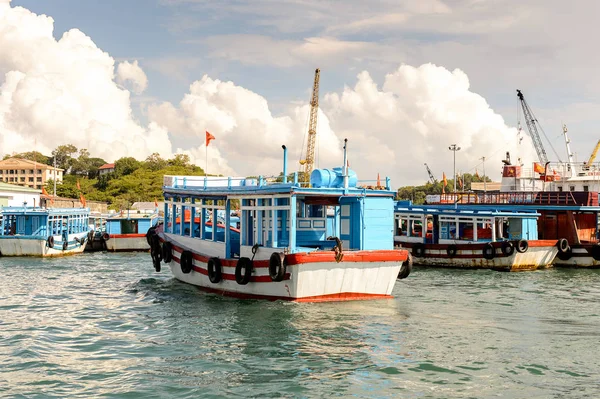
column 339, row 251
column 254, row 250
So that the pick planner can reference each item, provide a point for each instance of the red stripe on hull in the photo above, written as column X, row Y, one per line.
column 344, row 296
column 126, row 235
column 231, row 277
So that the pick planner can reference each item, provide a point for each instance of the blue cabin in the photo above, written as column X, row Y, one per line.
column 280, row 214
column 43, row 223
column 446, row 224
column 131, row 223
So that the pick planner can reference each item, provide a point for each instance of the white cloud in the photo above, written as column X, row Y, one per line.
column 132, row 74
column 247, row 135
column 413, row 119
column 64, row 91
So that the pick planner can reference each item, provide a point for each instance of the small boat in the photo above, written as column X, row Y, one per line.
column 127, row 230
column 32, row 231
column 98, row 228
column 473, row 237
column 328, row 242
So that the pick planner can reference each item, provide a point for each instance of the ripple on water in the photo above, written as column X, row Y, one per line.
column 106, row 325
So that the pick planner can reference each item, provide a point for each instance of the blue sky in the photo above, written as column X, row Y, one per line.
column 271, row 48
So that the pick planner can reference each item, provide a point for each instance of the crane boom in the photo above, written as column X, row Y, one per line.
column 533, row 131
column 431, row 176
column 309, row 161
column 594, row 153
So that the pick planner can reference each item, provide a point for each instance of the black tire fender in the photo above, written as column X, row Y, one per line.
column 215, row 274
column 277, row 266
column 563, row 245
column 167, row 252
column 595, row 251
column 186, row 262
column 452, row 250
column 489, row 252
column 522, row 246
column 418, row 250
column 243, row 271
column 149, row 234
column 406, row 267
column 106, row 237
column 65, row 245
column 508, row 248
column 565, row 255
column 50, row 242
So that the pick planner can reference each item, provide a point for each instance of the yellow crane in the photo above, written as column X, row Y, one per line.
column 594, row 153
column 309, row 162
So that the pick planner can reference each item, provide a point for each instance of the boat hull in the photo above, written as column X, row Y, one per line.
column 581, row 255
column 540, row 254
column 310, row 277
column 127, row 242
column 38, row 246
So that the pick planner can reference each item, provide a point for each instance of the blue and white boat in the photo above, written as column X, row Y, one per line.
column 328, row 242
column 127, row 230
column 475, row 236
column 32, row 231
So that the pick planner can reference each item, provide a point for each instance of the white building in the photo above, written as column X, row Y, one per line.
column 12, row 195
column 28, row 173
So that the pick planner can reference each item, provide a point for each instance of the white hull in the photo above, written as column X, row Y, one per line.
column 15, row 246
column 580, row 258
column 116, row 244
column 308, row 281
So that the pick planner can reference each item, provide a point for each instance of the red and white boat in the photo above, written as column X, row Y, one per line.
column 329, row 242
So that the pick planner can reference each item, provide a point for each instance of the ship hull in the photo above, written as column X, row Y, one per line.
column 309, row 277
column 38, row 246
column 126, row 242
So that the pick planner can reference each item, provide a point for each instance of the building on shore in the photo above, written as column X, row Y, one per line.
column 14, row 195
column 28, row 173
column 106, row 169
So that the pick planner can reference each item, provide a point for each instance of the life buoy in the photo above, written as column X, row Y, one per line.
column 452, row 250
column 277, row 266
column 167, row 252
column 595, row 251
column 489, row 251
column 243, row 271
column 508, row 248
column 522, row 246
column 106, row 236
column 406, row 267
column 418, row 250
column 214, row 270
column 186, row 262
column 563, row 245
column 50, row 242
column 65, row 245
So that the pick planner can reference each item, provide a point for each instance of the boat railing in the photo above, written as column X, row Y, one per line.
column 576, row 198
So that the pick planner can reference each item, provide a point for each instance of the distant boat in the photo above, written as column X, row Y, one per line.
column 473, row 237
column 31, row 231
column 328, row 242
column 127, row 230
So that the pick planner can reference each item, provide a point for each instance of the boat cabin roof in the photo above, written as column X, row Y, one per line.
column 402, row 207
column 19, row 210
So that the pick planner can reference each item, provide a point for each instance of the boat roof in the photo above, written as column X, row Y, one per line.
column 20, row 210
column 223, row 187
column 132, row 215
column 464, row 210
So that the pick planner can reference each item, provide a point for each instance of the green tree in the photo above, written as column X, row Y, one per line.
column 154, row 162
column 126, row 165
column 63, row 156
column 180, row 160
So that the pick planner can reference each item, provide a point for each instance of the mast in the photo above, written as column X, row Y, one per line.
column 569, row 153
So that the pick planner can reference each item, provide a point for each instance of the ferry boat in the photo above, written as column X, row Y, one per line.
column 328, row 242
column 127, row 231
column 95, row 240
column 473, row 237
column 33, row 231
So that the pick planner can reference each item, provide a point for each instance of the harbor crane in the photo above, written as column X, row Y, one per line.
column 594, row 153
column 431, row 176
column 309, row 162
column 532, row 124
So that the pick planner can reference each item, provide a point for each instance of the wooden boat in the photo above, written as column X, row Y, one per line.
column 32, row 231
column 328, row 242
column 473, row 237
column 127, row 230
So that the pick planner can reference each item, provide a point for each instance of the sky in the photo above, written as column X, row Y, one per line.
column 401, row 80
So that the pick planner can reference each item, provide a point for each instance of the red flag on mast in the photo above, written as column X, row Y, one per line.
column 209, row 137
column 82, row 199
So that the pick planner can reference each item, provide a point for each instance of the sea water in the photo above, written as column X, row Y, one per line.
column 106, row 325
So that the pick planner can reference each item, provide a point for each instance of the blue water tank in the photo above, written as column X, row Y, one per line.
column 332, row 178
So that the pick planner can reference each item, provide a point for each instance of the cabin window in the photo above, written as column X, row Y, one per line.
column 571, row 188
column 129, row 226
column 560, row 189
column 586, row 188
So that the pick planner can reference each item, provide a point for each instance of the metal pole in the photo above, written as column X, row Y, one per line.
column 484, row 179
column 54, row 193
column 454, row 148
